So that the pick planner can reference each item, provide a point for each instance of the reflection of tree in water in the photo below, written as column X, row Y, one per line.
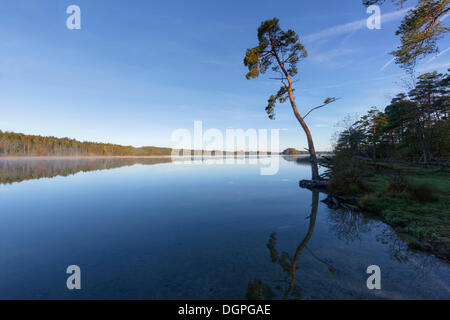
column 347, row 224
column 288, row 289
column 20, row 169
column 16, row 170
column 423, row 264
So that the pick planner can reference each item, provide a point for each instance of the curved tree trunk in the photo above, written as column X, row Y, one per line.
column 312, row 150
column 302, row 245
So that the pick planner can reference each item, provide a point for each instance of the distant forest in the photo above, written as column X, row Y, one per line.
column 293, row 152
column 18, row 144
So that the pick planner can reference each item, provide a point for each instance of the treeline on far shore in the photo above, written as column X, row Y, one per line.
column 19, row 144
column 22, row 145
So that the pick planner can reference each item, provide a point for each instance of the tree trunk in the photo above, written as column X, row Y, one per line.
column 312, row 150
column 302, row 245
column 374, row 152
column 423, row 143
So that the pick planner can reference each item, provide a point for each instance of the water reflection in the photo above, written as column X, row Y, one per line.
column 193, row 232
column 22, row 169
column 258, row 290
column 399, row 251
column 17, row 170
column 298, row 159
column 348, row 225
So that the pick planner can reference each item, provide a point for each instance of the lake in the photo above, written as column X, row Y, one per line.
column 148, row 228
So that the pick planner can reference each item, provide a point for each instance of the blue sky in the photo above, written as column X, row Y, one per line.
column 138, row 70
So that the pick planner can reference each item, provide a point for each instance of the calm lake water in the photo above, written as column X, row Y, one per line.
column 157, row 229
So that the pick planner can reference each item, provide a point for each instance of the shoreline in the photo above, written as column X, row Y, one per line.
column 77, row 157
column 423, row 226
column 433, row 246
column 134, row 157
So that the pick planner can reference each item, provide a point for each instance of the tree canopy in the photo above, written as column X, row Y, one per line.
column 19, row 144
column 413, row 127
column 279, row 51
column 419, row 31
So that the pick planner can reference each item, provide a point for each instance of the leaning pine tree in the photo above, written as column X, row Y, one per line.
column 282, row 50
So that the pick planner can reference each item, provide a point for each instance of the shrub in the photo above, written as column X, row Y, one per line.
column 397, row 185
column 421, row 193
column 348, row 181
column 400, row 187
column 365, row 201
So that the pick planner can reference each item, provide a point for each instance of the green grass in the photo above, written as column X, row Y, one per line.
column 424, row 224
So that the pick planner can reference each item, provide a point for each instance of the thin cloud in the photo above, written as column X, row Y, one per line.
column 434, row 66
column 333, row 54
column 353, row 26
column 444, row 17
column 427, row 62
column 438, row 55
column 387, row 64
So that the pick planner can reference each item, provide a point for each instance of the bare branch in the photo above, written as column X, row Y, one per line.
column 326, row 102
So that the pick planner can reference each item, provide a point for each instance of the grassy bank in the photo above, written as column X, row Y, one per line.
column 414, row 200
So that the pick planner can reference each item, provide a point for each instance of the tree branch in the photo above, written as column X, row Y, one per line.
column 327, row 102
